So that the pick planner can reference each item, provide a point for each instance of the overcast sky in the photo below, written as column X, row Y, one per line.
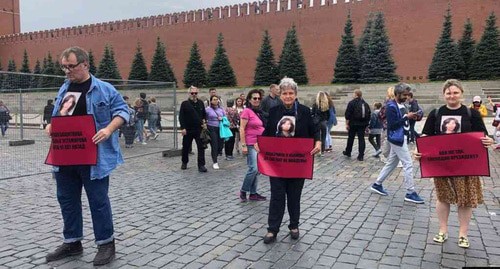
column 49, row 14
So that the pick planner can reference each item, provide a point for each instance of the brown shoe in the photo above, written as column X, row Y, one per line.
column 105, row 253
column 65, row 250
column 294, row 234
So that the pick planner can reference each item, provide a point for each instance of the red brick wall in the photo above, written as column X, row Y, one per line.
column 9, row 17
column 413, row 27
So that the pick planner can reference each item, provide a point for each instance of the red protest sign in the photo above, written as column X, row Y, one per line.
column 285, row 157
column 453, row 155
column 72, row 141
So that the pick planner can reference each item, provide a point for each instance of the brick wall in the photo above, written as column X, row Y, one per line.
column 413, row 27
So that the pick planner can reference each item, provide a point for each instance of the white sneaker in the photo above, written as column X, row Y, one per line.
column 216, row 166
column 156, row 136
column 144, row 143
column 400, row 164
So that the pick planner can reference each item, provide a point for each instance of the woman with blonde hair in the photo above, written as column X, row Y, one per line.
column 385, row 146
column 321, row 114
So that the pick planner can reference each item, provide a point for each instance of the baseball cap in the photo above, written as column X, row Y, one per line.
column 476, row 99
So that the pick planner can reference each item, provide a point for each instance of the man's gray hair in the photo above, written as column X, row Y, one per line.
column 289, row 83
column 401, row 87
column 81, row 55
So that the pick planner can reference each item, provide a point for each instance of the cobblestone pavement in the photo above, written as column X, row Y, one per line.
column 166, row 217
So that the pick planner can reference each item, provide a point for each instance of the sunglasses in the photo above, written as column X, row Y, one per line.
column 194, row 93
column 69, row 67
column 256, row 98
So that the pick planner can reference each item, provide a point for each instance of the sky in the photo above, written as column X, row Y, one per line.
column 50, row 14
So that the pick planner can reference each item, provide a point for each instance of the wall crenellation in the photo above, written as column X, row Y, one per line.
column 192, row 16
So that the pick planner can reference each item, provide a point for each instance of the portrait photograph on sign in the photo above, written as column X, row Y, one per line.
column 286, row 127
column 451, row 124
column 68, row 103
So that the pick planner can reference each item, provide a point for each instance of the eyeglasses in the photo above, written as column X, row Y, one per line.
column 256, row 98
column 194, row 93
column 69, row 67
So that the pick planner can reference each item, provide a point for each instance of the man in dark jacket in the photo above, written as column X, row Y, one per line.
column 413, row 107
column 272, row 100
column 192, row 120
column 357, row 116
column 47, row 113
column 397, row 131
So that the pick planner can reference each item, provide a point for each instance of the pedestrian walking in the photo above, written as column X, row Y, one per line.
column 234, row 125
column 397, row 130
column 357, row 117
column 4, row 118
column 466, row 192
column 95, row 179
column 375, row 129
column 47, row 113
column 214, row 116
column 154, row 112
column 321, row 115
column 332, row 121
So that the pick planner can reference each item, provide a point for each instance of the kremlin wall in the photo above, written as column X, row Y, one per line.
column 413, row 26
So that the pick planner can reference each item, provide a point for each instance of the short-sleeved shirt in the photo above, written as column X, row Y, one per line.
column 254, row 126
column 434, row 125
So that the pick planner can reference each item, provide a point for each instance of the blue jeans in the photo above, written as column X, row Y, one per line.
column 328, row 142
column 250, row 181
column 152, row 124
column 139, row 129
column 70, row 180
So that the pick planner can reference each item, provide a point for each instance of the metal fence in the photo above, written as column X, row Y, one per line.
column 24, row 148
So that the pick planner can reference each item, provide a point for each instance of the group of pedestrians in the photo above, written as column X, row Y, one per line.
column 142, row 110
column 198, row 121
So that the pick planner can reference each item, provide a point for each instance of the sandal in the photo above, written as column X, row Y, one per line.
column 440, row 237
column 463, row 242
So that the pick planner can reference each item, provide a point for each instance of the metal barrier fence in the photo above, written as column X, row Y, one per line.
column 26, row 95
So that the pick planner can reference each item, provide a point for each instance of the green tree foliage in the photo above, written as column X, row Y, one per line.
column 58, row 72
column 49, row 69
column 486, row 58
column 466, row 47
column 266, row 70
column 92, row 67
column 1, row 75
column 11, row 81
column 108, row 69
column 221, row 73
column 195, row 73
column 377, row 64
column 25, row 81
column 35, row 81
column 291, row 62
column 347, row 65
column 365, row 37
column 138, row 71
column 160, row 67
column 447, row 62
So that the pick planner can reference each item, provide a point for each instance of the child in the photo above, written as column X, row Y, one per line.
column 375, row 129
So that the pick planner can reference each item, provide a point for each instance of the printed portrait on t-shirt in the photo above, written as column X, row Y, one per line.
column 68, row 103
column 497, row 114
column 286, row 127
column 451, row 124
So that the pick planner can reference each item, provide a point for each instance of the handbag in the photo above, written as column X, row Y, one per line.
column 224, row 130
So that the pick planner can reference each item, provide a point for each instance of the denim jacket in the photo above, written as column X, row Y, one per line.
column 395, row 124
column 104, row 102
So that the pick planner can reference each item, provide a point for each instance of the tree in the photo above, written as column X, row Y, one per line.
column 292, row 63
column 221, row 73
column 377, row 64
column 138, row 71
column 485, row 62
column 160, row 67
column 195, row 73
column 447, row 62
column 365, row 38
column 466, row 47
column 108, row 69
column 58, row 72
column 11, row 81
column 35, row 81
column 92, row 67
column 266, row 70
column 49, row 69
column 25, row 81
column 346, row 68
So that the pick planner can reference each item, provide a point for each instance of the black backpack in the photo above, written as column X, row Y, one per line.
column 361, row 111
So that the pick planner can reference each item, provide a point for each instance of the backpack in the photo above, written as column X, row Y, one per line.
column 361, row 111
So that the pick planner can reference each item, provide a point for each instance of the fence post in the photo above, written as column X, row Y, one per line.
column 175, row 117
column 21, row 126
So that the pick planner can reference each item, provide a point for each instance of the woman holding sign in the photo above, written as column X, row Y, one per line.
column 289, row 189
column 465, row 191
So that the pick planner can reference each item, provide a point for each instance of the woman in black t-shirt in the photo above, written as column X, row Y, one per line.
column 466, row 192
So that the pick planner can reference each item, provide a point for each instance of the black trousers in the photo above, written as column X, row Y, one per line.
column 374, row 140
column 355, row 130
column 187, row 141
column 216, row 143
column 281, row 189
column 229, row 144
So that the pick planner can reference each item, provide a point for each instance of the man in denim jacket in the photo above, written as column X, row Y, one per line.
column 397, row 131
column 103, row 101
